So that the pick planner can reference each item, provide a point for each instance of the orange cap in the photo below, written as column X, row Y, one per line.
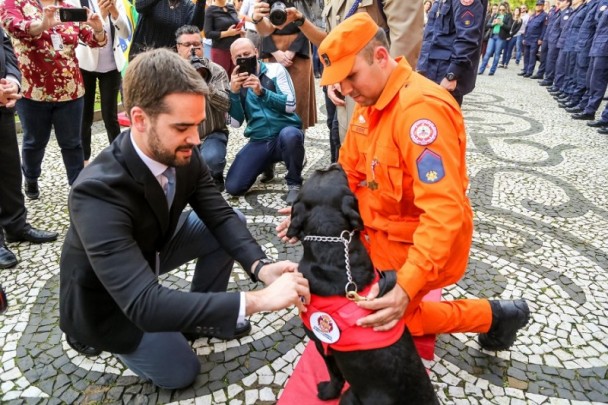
column 341, row 46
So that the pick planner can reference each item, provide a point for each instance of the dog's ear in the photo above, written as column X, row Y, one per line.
column 298, row 218
column 350, row 208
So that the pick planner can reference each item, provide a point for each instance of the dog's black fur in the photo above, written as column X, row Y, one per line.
column 392, row 375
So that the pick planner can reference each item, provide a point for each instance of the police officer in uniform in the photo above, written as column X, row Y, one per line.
column 451, row 44
column 533, row 37
column 599, row 67
column 544, row 49
column 571, row 87
column 550, row 41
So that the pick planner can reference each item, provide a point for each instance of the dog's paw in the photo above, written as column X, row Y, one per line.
column 328, row 390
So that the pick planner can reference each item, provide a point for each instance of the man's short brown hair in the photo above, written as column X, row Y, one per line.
column 154, row 74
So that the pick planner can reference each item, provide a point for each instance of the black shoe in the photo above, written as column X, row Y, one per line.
column 598, row 124
column 536, row 77
column 268, row 174
column 507, row 318
column 7, row 258
column 583, row 116
column 491, row 74
column 292, row 194
column 521, row 74
column 563, row 98
column 571, row 103
column 574, row 109
column 544, row 83
column 31, row 189
column 603, row 131
column 554, row 92
column 527, row 76
column 240, row 331
column 81, row 348
column 33, row 235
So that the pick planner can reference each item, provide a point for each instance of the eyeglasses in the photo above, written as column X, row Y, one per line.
column 191, row 44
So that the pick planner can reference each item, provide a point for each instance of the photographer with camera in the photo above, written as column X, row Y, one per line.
column 213, row 130
column 262, row 94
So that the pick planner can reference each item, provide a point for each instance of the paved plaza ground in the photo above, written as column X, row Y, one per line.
column 539, row 189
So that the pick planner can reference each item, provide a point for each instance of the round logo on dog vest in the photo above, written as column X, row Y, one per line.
column 423, row 132
column 324, row 327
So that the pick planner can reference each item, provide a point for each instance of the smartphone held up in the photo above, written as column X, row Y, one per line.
column 67, row 14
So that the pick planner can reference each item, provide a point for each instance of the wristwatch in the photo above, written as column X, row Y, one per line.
column 450, row 76
column 261, row 263
column 300, row 21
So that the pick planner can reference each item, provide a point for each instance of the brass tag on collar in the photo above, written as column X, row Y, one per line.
column 372, row 185
column 354, row 296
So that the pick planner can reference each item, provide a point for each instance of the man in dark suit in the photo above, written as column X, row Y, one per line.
column 13, row 215
column 125, row 232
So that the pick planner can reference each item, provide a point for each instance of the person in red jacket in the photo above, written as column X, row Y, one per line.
column 404, row 157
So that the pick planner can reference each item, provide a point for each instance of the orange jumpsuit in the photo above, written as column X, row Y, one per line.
column 405, row 162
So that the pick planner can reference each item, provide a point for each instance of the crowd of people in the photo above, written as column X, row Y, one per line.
column 259, row 72
column 565, row 48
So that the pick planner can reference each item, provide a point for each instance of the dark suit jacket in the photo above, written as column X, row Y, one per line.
column 8, row 61
column 109, row 291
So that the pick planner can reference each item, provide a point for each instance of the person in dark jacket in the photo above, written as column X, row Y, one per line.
column 110, row 294
column 501, row 29
column 451, row 45
column 13, row 214
column 221, row 28
column 533, row 37
column 158, row 21
column 552, row 34
column 513, row 39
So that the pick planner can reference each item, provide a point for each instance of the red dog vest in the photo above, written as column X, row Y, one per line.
column 333, row 320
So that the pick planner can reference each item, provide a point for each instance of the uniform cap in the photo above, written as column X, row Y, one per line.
column 540, row 2
column 341, row 46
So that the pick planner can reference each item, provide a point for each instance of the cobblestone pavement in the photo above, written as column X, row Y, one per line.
column 538, row 187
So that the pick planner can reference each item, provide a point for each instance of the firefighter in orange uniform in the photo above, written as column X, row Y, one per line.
column 404, row 156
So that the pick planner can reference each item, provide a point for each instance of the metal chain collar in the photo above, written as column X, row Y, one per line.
column 350, row 289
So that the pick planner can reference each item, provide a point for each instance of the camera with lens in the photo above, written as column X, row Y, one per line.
column 278, row 11
column 200, row 64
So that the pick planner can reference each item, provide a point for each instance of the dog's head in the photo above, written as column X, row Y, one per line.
column 325, row 205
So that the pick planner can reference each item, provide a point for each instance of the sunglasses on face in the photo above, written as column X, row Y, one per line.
column 191, row 44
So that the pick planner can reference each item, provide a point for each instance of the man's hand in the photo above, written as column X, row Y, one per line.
column 284, row 225
column 389, row 308
column 253, row 82
column 331, row 93
column 237, row 79
column 269, row 273
column 9, row 93
column 289, row 289
column 449, row 85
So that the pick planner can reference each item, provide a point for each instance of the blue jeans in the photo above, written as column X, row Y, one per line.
column 255, row 156
column 511, row 44
column 213, row 150
column 37, row 118
column 166, row 358
column 495, row 45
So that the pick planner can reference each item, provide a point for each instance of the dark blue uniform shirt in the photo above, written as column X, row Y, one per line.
column 535, row 29
column 453, row 36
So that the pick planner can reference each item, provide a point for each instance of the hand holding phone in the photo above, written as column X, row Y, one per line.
column 247, row 65
column 72, row 14
column 240, row 24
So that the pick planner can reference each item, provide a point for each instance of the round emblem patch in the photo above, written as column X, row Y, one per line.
column 324, row 327
column 423, row 132
column 603, row 8
column 466, row 2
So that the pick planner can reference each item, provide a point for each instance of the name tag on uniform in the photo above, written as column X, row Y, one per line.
column 358, row 129
column 57, row 42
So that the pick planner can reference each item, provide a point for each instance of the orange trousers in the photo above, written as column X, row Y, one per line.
column 430, row 318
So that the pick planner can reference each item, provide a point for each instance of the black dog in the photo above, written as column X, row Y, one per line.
column 327, row 210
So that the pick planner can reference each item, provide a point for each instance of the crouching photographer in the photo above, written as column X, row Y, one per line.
column 213, row 130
